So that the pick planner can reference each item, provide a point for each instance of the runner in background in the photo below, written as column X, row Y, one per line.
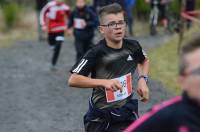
column 129, row 12
column 53, row 19
column 84, row 21
column 162, row 6
column 190, row 6
column 39, row 5
column 111, row 65
column 182, row 113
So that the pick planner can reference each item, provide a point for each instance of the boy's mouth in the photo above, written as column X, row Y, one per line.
column 118, row 33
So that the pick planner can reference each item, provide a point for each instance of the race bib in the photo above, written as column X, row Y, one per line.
column 126, row 82
column 77, row 23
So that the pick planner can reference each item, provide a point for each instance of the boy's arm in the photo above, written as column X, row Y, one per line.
column 81, row 81
column 70, row 20
column 43, row 18
column 70, row 23
column 143, row 89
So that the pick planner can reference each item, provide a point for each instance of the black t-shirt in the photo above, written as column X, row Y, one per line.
column 103, row 62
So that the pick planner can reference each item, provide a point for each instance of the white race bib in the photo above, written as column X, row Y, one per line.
column 78, row 23
column 126, row 82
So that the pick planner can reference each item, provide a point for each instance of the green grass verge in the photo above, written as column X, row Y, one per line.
column 164, row 64
column 164, row 61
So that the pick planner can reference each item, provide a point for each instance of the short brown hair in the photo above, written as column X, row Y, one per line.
column 109, row 9
column 191, row 46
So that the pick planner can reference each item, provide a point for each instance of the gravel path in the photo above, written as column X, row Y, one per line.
column 35, row 99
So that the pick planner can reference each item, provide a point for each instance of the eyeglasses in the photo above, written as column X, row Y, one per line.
column 195, row 71
column 115, row 24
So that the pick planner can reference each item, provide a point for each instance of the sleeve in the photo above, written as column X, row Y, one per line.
column 71, row 20
column 43, row 14
column 67, row 10
column 140, row 54
column 86, row 64
column 93, row 22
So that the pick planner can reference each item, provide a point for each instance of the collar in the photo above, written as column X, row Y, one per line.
column 103, row 41
column 190, row 102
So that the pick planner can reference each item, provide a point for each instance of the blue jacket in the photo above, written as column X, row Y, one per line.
column 129, row 6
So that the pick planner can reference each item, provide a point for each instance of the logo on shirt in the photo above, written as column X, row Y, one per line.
column 129, row 58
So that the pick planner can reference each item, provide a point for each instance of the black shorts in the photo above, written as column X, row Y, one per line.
column 54, row 37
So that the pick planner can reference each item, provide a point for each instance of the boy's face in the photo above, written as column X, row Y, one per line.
column 113, row 27
column 80, row 3
column 190, row 81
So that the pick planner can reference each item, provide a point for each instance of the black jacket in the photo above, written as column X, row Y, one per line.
column 91, row 22
column 177, row 115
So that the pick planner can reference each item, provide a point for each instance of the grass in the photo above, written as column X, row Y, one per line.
column 164, row 61
column 25, row 29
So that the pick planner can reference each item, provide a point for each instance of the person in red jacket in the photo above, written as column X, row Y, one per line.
column 53, row 19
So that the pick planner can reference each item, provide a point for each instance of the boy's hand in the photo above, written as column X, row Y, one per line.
column 69, row 32
column 44, row 28
column 83, row 24
column 143, row 90
column 113, row 85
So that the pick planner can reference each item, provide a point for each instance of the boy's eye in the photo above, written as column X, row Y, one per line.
column 111, row 24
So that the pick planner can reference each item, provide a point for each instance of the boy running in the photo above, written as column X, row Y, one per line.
column 111, row 64
column 53, row 18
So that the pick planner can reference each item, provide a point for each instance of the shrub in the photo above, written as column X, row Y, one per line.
column 10, row 14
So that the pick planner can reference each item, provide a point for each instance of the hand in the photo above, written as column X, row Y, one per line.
column 83, row 24
column 143, row 90
column 69, row 32
column 113, row 85
column 44, row 28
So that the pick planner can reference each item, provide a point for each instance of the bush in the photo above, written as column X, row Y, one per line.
column 142, row 9
column 10, row 13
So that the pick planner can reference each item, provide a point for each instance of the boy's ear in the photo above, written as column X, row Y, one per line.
column 101, row 29
column 180, row 81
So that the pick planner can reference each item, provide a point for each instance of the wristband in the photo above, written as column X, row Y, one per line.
column 143, row 76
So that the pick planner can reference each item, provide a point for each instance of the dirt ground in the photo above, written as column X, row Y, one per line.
column 35, row 99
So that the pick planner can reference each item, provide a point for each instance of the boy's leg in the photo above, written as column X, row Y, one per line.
column 52, row 43
column 56, row 52
column 58, row 39
column 79, row 47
